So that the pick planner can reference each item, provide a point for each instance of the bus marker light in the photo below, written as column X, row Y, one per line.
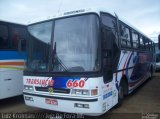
column 94, row 91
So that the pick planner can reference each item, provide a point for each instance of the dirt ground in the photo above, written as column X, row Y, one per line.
column 143, row 103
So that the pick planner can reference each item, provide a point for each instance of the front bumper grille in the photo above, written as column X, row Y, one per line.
column 55, row 90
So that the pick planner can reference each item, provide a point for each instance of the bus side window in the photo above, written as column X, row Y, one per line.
column 153, row 47
column 4, row 37
column 125, row 36
column 110, row 23
column 146, row 44
column 142, row 46
column 15, row 40
column 135, row 39
column 150, row 46
column 18, row 36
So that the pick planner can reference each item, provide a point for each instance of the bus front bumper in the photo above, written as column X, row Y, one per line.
column 86, row 106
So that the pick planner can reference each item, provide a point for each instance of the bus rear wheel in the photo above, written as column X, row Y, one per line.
column 151, row 72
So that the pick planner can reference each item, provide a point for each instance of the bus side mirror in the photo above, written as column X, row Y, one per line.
column 159, row 41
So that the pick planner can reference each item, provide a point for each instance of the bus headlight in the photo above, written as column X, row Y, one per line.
column 28, row 88
column 85, row 92
column 80, row 92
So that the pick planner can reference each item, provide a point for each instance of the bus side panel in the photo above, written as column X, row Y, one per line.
column 11, row 83
column 135, row 66
column 110, row 94
column 141, row 70
column 11, row 73
column 125, row 66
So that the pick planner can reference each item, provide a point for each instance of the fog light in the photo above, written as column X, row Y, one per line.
column 28, row 98
column 78, row 105
column 86, row 106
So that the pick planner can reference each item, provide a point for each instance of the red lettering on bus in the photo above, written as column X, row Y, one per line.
column 40, row 82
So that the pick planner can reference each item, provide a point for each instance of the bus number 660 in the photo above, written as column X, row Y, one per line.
column 75, row 83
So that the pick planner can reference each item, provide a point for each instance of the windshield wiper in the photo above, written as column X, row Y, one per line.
column 55, row 56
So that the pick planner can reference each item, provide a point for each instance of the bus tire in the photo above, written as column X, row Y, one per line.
column 151, row 72
column 121, row 92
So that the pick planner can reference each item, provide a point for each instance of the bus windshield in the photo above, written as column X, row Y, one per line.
column 76, row 48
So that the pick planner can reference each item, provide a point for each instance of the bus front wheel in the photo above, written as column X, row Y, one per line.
column 121, row 93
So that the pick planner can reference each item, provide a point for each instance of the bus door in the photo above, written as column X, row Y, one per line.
column 111, row 55
column 107, row 54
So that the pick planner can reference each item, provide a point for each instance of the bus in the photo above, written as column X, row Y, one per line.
column 12, row 57
column 85, row 61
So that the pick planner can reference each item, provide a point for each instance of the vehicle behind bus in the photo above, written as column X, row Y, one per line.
column 85, row 61
column 12, row 58
column 158, row 54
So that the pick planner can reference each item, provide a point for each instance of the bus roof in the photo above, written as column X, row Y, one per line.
column 89, row 10
column 5, row 21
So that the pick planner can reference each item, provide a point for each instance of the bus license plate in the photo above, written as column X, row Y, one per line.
column 51, row 101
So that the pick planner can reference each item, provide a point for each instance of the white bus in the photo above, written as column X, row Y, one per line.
column 12, row 56
column 85, row 61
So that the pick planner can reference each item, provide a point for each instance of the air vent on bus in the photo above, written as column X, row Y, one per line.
column 55, row 90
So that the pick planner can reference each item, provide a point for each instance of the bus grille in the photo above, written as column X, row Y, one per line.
column 55, row 90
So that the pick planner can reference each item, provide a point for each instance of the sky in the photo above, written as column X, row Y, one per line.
column 143, row 14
